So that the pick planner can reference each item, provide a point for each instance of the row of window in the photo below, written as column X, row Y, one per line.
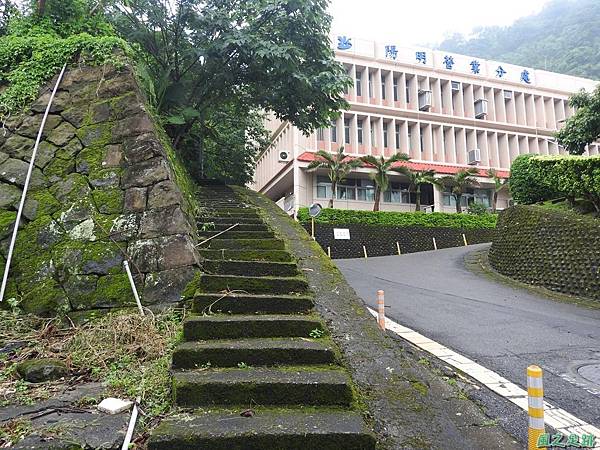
column 363, row 189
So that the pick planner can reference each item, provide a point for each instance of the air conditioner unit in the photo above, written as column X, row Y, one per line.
column 285, row 156
column 508, row 95
column 481, row 108
column 425, row 100
column 455, row 86
column 474, row 157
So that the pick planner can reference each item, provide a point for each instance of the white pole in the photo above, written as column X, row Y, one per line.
column 398, row 247
column 133, row 288
column 130, row 428
column 11, row 247
column 465, row 239
column 434, row 244
column 381, row 309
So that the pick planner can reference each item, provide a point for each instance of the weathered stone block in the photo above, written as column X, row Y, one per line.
column 18, row 146
column 113, row 156
column 80, row 289
column 144, row 255
column 168, row 285
column 106, row 178
column 135, row 200
column 9, row 195
column 176, row 251
column 62, row 134
column 141, row 148
column 145, row 173
column 42, row 369
column 60, row 102
column 164, row 194
column 163, row 222
column 131, row 126
column 75, row 115
column 72, row 188
column 70, row 150
column 31, row 125
column 14, row 171
column 125, row 227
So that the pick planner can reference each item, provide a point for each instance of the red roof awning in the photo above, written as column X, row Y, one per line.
column 445, row 169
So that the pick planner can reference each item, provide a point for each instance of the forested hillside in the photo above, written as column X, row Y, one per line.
column 563, row 38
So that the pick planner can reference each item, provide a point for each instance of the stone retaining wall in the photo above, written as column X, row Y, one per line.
column 554, row 249
column 104, row 188
column 381, row 240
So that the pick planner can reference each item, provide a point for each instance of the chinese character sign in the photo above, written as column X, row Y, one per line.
column 344, row 43
column 391, row 52
column 500, row 72
column 547, row 440
column 421, row 57
column 525, row 77
column 448, row 62
column 475, row 65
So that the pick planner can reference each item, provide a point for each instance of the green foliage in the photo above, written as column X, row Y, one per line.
column 338, row 166
column 400, row 219
column 35, row 50
column 583, row 127
column 528, row 183
column 562, row 38
column 477, row 209
column 459, row 183
column 381, row 177
column 417, row 179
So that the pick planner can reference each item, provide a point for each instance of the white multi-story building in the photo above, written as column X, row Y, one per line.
column 446, row 111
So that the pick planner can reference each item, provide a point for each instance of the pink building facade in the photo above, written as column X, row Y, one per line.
column 446, row 111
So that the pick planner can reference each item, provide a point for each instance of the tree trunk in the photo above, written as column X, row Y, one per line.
column 418, row 198
column 333, row 189
column 41, row 7
column 377, row 198
column 458, row 199
column 494, row 201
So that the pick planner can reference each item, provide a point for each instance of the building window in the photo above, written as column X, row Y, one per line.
column 407, row 88
column 399, row 193
column 421, row 140
column 385, row 135
column 323, row 187
column 479, row 196
column 320, row 134
column 397, row 132
column 409, row 139
column 358, row 84
column 362, row 189
column 373, row 144
column 347, row 131
column 395, row 89
column 382, row 87
column 365, row 190
column 370, row 86
column 334, row 131
column 359, row 129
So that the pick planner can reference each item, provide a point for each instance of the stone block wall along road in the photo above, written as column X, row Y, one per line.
column 381, row 240
column 554, row 249
column 105, row 186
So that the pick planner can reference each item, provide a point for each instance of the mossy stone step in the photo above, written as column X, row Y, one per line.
column 289, row 429
column 252, row 285
column 246, row 255
column 241, row 227
column 253, row 352
column 237, row 234
column 230, row 220
column 263, row 386
column 226, row 326
column 253, row 268
column 255, row 244
column 255, row 304
column 241, row 213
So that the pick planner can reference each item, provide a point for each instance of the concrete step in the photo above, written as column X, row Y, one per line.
column 237, row 234
column 262, row 386
column 253, row 352
column 252, row 285
column 227, row 326
column 254, row 244
column 253, row 304
column 253, row 268
column 229, row 220
column 234, row 212
column 240, row 227
column 247, row 255
column 289, row 429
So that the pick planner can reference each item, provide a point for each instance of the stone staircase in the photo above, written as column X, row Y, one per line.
column 257, row 369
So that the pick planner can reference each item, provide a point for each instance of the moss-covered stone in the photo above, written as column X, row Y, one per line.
column 108, row 201
column 113, row 291
column 7, row 221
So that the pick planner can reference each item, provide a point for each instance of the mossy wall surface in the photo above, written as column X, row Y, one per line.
column 554, row 249
column 380, row 240
column 106, row 187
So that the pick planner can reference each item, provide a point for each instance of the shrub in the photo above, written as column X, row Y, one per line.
column 528, row 184
column 477, row 209
column 400, row 219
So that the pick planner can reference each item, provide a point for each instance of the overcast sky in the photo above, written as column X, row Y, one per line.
column 423, row 22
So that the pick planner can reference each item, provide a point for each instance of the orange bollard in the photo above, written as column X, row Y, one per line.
column 381, row 309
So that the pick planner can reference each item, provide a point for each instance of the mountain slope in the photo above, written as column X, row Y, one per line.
column 562, row 38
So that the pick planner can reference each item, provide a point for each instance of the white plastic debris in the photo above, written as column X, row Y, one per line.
column 113, row 405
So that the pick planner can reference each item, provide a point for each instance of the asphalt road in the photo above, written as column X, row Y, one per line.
column 503, row 328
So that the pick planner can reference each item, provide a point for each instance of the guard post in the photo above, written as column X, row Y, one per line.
column 381, row 309
column 535, row 401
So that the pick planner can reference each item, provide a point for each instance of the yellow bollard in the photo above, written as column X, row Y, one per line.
column 329, row 251
column 535, row 400
column 398, row 247
column 465, row 239
column 381, row 309
column 365, row 251
column 434, row 244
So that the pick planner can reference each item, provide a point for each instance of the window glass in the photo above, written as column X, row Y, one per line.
column 383, row 87
column 347, row 131
column 385, row 136
column 333, row 132
column 358, row 84
column 395, row 89
column 360, row 131
column 320, row 134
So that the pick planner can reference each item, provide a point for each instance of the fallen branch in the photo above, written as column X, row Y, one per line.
column 218, row 234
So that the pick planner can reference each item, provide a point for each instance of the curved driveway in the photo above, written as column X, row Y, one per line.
column 502, row 328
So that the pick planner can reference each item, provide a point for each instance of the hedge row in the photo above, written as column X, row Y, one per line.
column 536, row 178
column 400, row 219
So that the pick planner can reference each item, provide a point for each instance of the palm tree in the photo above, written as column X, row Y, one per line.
column 381, row 177
column 460, row 182
column 337, row 164
column 499, row 185
column 417, row 179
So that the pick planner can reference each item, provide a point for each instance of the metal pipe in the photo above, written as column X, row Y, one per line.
column 133, row 288
column 26, row 185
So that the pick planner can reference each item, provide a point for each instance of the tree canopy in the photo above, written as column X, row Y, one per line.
column 583, row 127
